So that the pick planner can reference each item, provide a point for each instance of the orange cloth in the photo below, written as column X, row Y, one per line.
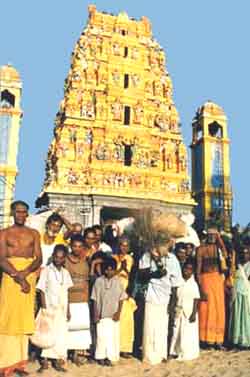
column 212, row 311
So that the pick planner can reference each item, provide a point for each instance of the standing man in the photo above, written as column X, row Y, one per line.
column 20, row 258
column 162, row 271
column 211, row 263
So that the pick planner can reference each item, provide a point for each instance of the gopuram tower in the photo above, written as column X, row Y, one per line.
column 211, row 167
column 10, row 121
column 117, row 140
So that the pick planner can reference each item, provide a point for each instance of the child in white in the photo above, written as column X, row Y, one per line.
column 108, row 295
column 54, row 284
column 185, row 341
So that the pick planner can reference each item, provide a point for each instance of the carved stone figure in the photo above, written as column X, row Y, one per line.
column 116, row 49
column 80, row 149
column 138, row 113
column 116, row 109
column 157, row 88
column 182, row 163
column 149, row 87
column 161, row 123
column 72, row 135
column 89, row 137
column 116, row 77
column 135, row 53
column 72, row 177
column 135, row 80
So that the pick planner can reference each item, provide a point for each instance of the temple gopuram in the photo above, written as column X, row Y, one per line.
column 117, row 139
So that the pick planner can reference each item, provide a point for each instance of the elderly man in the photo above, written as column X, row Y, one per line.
column 162, row 270
column 211, row 263
column 20, row 258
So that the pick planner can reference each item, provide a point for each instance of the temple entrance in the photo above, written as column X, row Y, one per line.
column 117, row 222
column 116, row 213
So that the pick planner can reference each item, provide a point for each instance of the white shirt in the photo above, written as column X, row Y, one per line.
column 105, row 248
column 55, row 285
column 186, row 294
column 159, row 290
column 47, row 251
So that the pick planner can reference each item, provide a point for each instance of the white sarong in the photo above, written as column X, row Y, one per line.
column 155, row 337
column 108, row 340
column 185, row 340
column 79, row 337
column 59, row 350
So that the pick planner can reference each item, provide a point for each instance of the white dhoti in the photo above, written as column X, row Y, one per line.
column 108, row 340
column 185, row 340
column 155, row 336
column 59, row 350
column 79, row 337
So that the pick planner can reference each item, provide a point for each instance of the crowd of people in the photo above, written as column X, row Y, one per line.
column 106, row 300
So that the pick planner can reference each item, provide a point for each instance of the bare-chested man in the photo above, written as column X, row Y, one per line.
column 211, row 263
column 20, row 258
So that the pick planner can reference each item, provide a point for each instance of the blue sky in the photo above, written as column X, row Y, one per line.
column 207, row 49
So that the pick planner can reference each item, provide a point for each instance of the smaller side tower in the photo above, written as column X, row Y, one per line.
column 211, row 186
column 10, row 120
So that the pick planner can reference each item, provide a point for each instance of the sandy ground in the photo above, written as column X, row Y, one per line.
column 210, row 364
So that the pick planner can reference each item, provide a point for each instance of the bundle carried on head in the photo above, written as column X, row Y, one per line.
column 160, row 229
column 169, row 224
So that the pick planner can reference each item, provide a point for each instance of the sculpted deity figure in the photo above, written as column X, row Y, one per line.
column 161, row 122
column 184, row 186
column 89, row 136
column 153, row 59
column 102, row 152
column 84, row 63
column 116, row 49
column 80, row 149
column 71, row 101
column 118, row 155
column 72, row 134
column 135, row 80
column 169, row 161
column 99, row 44
column 135, row 53
column 100, row 110
column 116, row 109
column 116, row 77
column 61, row 149
column 154, row 160
column 157, row 88
column 174, row 126
column 90, row 110
column 150, row 120
column 91, row 77
column 149, row 87
column 86, row 176
column 142, row 161
column 72, row 177
column 103, row 75
column 138, row 113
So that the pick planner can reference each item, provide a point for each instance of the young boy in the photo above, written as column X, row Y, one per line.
column 108, row 295
column 79, row 338
column 54, row 284
column 185, row 341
